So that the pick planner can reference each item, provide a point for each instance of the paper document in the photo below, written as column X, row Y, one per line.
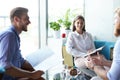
column 39, row 56
column 49, row 63
column 94, row 51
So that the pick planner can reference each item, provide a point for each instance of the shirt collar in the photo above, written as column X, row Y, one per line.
column 118, row 37
column 15, row 31
column 79, row 34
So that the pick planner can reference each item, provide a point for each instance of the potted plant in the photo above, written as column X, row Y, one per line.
column 56, row 28
column 65, row 21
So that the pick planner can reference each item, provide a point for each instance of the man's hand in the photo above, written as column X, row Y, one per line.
column 98, row 59
column 37, row 74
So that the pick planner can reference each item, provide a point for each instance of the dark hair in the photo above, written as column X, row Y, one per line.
column 18, row 11
column 78, row 17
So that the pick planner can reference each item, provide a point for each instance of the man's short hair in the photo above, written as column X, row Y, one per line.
column 117, row 11
column 18, row 11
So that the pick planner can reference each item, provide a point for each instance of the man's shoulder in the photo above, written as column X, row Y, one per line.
column 6, row 32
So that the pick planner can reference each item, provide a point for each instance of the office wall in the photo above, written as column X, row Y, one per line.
column 99, row 18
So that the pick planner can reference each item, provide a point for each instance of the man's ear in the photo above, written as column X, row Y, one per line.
column 16, row 19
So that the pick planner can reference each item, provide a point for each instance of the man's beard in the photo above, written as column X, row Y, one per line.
column 24, row 28
column 117, row 29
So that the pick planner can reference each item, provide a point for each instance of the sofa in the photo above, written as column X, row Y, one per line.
column 107, row 51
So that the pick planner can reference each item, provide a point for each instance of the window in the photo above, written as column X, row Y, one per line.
column 58, row 8
column 36, row 35
column 29, row 39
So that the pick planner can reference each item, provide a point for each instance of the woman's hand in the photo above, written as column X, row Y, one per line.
column 89, row 62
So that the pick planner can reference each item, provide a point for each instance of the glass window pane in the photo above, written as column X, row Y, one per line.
column 57, row 10
column 29, row 39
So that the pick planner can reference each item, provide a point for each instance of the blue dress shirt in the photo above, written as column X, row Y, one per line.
column 114, row 72
column 10, row 54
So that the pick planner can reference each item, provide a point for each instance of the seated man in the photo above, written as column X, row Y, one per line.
column 98, row 63
column 10, row 54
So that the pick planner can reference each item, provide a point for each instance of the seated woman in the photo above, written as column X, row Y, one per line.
column 79, row 42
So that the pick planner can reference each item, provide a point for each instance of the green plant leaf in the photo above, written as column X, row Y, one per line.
column 55, row 26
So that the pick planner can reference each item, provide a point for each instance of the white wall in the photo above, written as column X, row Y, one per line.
column 99, row 18
column 116, row 3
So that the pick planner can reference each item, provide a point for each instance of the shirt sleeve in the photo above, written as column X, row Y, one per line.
column 114, row 72
column 70, row 47
column 7, row 49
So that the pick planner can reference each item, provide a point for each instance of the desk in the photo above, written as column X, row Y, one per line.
column 55, row 70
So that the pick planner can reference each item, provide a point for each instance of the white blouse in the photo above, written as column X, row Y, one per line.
column 79, row 44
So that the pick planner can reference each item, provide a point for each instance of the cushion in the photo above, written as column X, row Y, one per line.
column 107, row 47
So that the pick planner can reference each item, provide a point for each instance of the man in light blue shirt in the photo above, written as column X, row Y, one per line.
column 98, row 64
column 10, row 55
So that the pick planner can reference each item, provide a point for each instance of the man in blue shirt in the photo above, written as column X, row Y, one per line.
column 98, row 64
column 11, row 60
